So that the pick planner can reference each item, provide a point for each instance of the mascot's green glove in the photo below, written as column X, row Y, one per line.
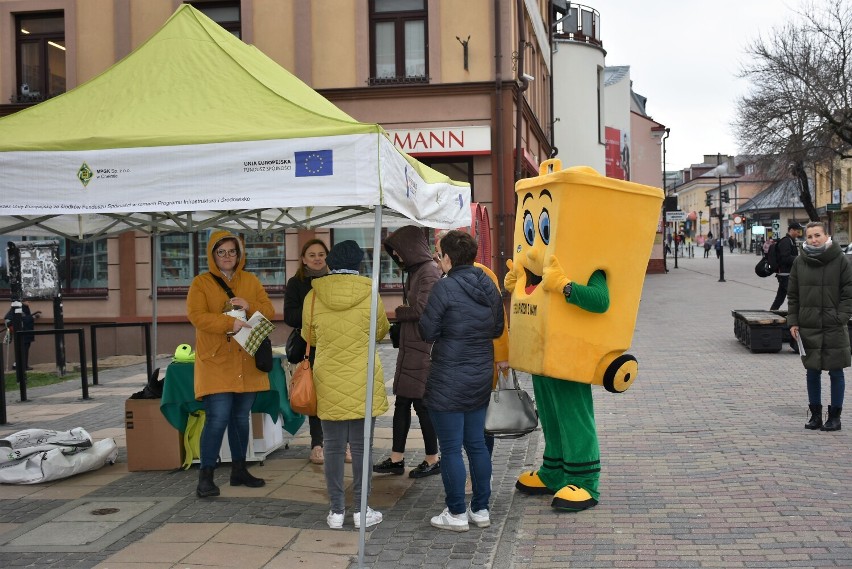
column 553, row 278
column 511, row 278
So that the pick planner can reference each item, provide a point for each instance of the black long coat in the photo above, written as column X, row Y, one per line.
column 819, row 302
column 412, row 362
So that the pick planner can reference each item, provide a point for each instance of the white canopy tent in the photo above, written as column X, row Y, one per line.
column 197, row 130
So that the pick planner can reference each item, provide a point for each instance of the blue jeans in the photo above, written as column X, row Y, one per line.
column 225, row 411
column 457, row 430
column 838, row 386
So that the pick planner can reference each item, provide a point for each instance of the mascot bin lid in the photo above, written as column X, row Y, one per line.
column 551, row 172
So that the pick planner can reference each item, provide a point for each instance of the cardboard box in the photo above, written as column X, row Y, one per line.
column 152, row 443
column 267, row 435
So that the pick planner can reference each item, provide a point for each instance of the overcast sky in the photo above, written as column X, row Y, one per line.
column 684, row 56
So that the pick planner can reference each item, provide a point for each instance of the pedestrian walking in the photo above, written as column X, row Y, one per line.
column 28, row 319
column 819, row 308
column 708, row 244
column 786, row 251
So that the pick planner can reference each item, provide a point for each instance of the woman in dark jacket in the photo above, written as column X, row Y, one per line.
column 819, row 306
column 408, row 247
column 314, row 253
column 462, row 317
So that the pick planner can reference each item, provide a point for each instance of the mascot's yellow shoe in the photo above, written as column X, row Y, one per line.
column 529, row 483
column 573, row 499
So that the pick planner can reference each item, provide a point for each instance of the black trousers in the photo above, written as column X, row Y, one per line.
column 781, row 295
column 402, row 424
column 315, row 426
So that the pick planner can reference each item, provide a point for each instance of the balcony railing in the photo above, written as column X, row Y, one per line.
column 419, row 79
column 581, row 23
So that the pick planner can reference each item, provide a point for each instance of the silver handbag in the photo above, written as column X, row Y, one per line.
column 511, row 412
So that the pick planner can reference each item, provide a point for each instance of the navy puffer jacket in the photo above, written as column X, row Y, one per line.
column 464, row 313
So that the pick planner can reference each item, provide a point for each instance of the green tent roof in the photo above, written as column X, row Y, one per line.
column 220, row 90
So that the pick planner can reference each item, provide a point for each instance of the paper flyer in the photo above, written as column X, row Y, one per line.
column 250, row 338
column 799, row 343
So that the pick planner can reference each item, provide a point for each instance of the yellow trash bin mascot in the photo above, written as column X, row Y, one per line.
column 582, row 244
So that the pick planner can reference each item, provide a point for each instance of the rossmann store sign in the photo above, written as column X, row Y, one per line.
column 450, row 141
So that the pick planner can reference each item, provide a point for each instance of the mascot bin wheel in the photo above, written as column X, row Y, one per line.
column 620, row 374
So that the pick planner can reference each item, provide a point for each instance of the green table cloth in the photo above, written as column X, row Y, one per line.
column 179, row 397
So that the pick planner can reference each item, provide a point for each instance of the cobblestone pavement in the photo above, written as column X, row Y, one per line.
column 705, row 464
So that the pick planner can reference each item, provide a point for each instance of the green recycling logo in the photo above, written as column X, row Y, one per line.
column 85, row 174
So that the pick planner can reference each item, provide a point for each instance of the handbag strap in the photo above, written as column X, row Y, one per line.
column 503, row 380
column 308, row 345
column 222, row 284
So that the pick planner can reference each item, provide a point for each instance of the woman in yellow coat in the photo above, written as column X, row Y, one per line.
column 336, row 314
column 226, row 378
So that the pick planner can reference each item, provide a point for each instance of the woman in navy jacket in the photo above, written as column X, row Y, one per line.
column 462, row 317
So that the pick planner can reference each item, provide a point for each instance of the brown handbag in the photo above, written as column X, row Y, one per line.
column 303, row 395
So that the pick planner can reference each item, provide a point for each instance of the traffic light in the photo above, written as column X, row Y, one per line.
column 707, row 201
column 725, row 197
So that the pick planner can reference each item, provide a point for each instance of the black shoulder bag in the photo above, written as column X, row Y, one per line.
column 263, row 355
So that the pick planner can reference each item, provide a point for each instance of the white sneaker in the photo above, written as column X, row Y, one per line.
column 335, row 521
column 481, row 519
column 452, row 522
column 373, row 518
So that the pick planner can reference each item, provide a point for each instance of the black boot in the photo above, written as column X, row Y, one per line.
column 833, row 421
column 816, row 418
column 241, row 477
column 206, row 486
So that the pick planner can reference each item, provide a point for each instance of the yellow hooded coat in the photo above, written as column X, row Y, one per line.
column 339, row 330
column 221, row 364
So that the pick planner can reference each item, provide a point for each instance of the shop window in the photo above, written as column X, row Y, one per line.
column 40, row 56
column 224, row 13
column 266, row 260
column 182, row 256
column 398, row 41
column 460, row 170
column 83, row 266
column 390, row 275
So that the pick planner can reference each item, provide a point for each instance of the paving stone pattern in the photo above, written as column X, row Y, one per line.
column 705, row 462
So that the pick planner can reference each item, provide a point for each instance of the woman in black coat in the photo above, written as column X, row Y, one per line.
column 314, row 253
column 819, row 304
column 462, row 317
column 408, row 247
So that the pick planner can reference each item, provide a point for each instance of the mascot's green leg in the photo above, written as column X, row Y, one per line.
column 571, row 466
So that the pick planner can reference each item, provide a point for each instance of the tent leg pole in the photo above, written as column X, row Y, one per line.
column 155, row 271
column 366, row 467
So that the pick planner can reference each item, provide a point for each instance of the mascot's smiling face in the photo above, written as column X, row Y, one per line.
column 533, row 236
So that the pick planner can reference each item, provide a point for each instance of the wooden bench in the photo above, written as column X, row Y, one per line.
column 761, row 330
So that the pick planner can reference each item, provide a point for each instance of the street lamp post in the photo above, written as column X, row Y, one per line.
column 721, row 230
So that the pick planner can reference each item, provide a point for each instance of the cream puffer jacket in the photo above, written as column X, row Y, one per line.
column 339, row 328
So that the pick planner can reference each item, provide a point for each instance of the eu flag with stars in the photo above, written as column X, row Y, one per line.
column 314, row 163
